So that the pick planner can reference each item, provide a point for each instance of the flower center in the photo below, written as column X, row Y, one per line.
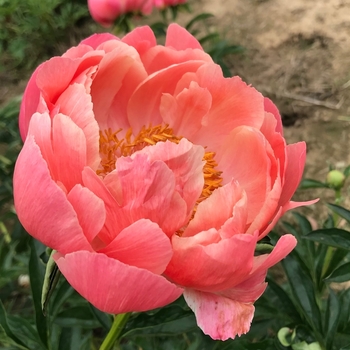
column 112, row 147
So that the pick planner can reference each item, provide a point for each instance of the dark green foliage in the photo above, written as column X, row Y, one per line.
column 34, row 30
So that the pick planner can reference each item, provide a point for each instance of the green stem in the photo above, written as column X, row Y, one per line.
column 114, row 333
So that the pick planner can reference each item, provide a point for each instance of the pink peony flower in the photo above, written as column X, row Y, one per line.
column 152, row 175
column 165, row 3
column 106, row 11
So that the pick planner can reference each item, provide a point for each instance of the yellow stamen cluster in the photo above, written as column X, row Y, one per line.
column 112, row 147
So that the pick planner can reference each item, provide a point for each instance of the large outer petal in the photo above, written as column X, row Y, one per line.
column 296, row 154
column 246, row 156
column 114, row 287
column 142, row 244
column 219, row 317
column 29, row 104
column 213, row 267
column 41, row 206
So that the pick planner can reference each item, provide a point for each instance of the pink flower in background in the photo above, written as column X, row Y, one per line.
column 152, row 175
column 165, row 3
column 106, row 11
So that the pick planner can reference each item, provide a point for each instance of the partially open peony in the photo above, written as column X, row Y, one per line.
column 152, row 175
column 106, row 11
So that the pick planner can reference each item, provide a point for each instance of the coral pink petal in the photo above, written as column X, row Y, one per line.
column 148, row 190
column 160, row 57
column 270, row 107
column 146, row 100
column 216, row 266
column 120, row 72
column 219, row 317
column 296, row 154
column 142, row 244
column 90, row 210
column 141, row 38
column 185, row 111
column 29, row 104
column 268, row 210
column 42, row 206
column 234, row 104
column 244, row 145
column 276, row 140
column 96, row 40
column 69, row 148
column 218, row 208
column 180, row 39
column 76, row 103
column 50, row 79
column 283, row 247
column 185, row 161
column 249, row 290
column 114, row 287
column 40, row 128
column 78, row 51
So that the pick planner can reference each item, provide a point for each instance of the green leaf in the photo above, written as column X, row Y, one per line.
column 334, row 237
column 170, row 320
column 282, row 301
column 331, row 318
column 102, row 317
column 6, row 327
column 72, row 338
column 344, row 316
column 52, row 275
column 200, row 17
column 341, row 274
column 80, row 316
column 303, row 290
column 303, row 222
column 347, row 171
column 8, row 341
column 209, row 37
column 181, row 325
column 62, row 293
column 36, row 274
column 319, row 262
column 344, row 213
column 309, row 183
column 26, row 332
